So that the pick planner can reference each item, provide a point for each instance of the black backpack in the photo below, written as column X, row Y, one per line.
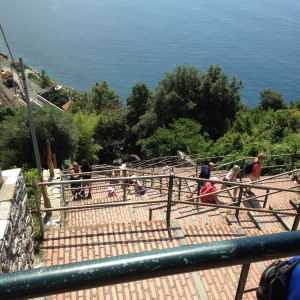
column 275, row 280
column 249, row 167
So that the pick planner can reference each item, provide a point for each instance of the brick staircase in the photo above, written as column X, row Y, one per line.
column 110, row 231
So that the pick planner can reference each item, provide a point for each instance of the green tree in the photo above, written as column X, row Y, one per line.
column 293, row 141
column 110, row 134
column 219, row 101
column 86, row 125
column 50, row 124
column 270, row 99
column 183, row 134
column 143, row 130
column 210, row 98
column 81, row 102
column 137, row 104
column 177, row 95
column 45, row 80
column 5, row 111
column 58, row 98
column 295, row 104
column 103, row 98
column 231, row 143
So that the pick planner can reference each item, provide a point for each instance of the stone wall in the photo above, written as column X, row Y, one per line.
column 16, row 225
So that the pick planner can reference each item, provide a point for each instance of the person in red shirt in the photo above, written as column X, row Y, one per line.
column 256, row 169
column 209, row 187
column 204, row 173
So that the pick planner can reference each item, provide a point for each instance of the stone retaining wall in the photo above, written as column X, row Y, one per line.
column 16, row 225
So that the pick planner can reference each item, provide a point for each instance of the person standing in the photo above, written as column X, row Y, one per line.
column 75, row 175
column 256, row 169
column 294, row 287
column 86, row 169
column 231, row 177
column 204, row 173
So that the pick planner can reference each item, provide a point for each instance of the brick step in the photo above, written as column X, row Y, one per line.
column 192, row 214
column 280, row 198
column 286, row 220
column 68, row 245
column 106, row 215
column 221, row 283
column 244, row 220
column 266, row 222
column 114, row 239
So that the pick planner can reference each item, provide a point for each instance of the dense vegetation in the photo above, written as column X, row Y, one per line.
column 198, row 113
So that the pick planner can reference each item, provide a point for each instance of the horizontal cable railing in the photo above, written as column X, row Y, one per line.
column 168, row 192
column 169, row 195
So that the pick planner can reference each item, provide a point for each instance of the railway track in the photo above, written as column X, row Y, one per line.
column 9, row 101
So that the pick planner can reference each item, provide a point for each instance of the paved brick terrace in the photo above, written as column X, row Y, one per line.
column 110, row 231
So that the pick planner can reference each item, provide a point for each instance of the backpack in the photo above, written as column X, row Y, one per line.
column 275, row 280
column 208, row 188
column 248, row 167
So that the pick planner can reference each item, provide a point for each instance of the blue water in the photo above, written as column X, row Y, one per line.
column 124, row 42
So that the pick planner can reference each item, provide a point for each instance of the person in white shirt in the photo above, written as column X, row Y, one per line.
column 231, row 177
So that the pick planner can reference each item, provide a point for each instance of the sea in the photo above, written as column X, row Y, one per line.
column 79, row 43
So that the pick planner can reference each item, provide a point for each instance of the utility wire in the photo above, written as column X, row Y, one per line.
column 12, row 58
column 6, row 43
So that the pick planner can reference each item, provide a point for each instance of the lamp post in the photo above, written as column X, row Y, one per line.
column 47, row 202
column 32, row 128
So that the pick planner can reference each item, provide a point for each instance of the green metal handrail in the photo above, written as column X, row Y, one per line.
column 146, row 265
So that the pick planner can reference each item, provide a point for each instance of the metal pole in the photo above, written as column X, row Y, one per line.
column 242, row 282
column 294, row 159
column 32, row 128
column 198, row 187
column 239, row 202
column 160, row 185
column 168, row 217
column 150, row 214
column 266, row 198
column 296, row 220
column 124, row 191
column 179, row 188
column 140, row 266
column 197, row 163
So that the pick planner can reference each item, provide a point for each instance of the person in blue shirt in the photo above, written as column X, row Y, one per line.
column 204, row 173
column 294, row 286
